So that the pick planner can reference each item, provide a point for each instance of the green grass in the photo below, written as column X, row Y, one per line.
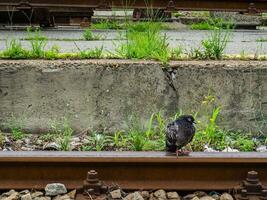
column 192, row 14
column 212, row 47
column 62, row 133
column 2, row 139
column 38, row 44
column 144, row 26
column 106, row 24
column 97, row 142
column 148, row 44
column 261, row 40
column 88, row 35
column 14, row 50
column 16, row 126
column 212, row 24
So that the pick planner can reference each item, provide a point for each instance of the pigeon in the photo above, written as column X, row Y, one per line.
column 179, row 133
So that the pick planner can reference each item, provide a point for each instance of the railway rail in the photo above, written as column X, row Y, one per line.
column 136, row 170
column 49, row 12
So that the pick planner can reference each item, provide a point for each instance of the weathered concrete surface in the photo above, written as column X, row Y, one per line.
column 107, row 93
column 88, row 93
column 239, row 88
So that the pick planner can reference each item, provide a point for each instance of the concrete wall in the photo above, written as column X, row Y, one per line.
column 106, row 93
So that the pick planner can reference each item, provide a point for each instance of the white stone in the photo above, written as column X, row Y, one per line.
column 209, row 149
column 173, row 195
column 13, row 196
column 134, row 196
column 37, row 194
column 206, row 198
column 160, row 194
column 226, row 196
column 24, row 192
column 64, row 197
column 51, row 146
column 116, row 194
column 261, row 148
column 145, row 194
column 190, row 197
column 10, row 192
column 26, row 197
column 42, row 198
column 216, row 196
column 54, row 189
column 229, row 149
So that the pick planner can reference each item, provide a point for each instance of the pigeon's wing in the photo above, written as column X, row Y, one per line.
column 171, row 139
column 171, row 131
column 193, row 130
column 184, row 136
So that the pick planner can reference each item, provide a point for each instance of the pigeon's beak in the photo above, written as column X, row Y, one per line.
column 194, row 122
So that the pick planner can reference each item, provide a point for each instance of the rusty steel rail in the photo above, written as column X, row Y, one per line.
column 229, row 5
column 130, row 170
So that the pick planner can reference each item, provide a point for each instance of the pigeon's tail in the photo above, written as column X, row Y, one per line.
column 170, row 147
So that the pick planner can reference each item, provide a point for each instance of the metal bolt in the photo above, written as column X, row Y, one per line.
column 92, row 177
column 264, row 193
column 252, row 177
column 243, row 193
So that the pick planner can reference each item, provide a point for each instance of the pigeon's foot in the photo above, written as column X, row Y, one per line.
column 181, row 152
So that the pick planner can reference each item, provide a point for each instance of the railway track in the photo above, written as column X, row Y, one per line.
column 134, row 170
column 49, row 13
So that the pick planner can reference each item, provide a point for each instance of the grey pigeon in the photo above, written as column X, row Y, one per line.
column 179, row 133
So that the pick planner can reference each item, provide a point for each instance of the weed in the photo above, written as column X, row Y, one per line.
column 119, row 139
column 2, row 139
column 95, row 53
column 65, row 139
column 212, row 23
column 86, row 54
column 38, row 44
column 261, row 40
column 176, row 53
column 214, row 46
column 137, row 140
column 88, row 35
column 106, row 24
column 97, row 142
column 150, row 138
column 244, row 144
column 48, row 137
column 16, row 125
column 145, row 45
column 144, row 26
column 178, row 14
column 14, row 50
column 52, row 53
column 63, row 133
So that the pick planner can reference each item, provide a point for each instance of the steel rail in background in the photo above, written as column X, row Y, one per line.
column 226, row 5
column 130, row 170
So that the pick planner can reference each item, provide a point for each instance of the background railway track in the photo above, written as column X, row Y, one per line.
column 49, row 13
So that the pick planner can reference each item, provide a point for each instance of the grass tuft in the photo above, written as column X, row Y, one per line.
column 212, row 23
column 145, row 45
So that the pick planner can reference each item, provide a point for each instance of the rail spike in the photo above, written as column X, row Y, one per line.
column 251, row 188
